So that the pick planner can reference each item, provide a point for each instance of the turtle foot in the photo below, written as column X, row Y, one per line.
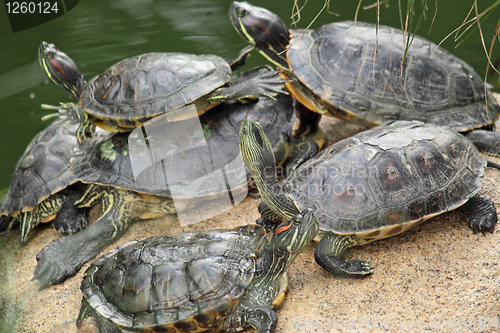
column 480, row 213
column 70, row 219
column 59, row 260
column 268, row 83
column 73, row 114
column 329, row 250
column 337, row 266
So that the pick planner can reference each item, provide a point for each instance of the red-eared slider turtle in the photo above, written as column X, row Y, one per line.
column 331, row 70
column 196, row 281
column 142, row 87
column 42, row 183
column 125, row 198
column 373, row 185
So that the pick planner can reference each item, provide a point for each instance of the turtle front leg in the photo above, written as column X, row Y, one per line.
column 329, row 250
column 73, row 114
column 241, row 58
column 44, row 211
column 258, row 82
column 263, row 319
column 485, row 141
column 64, row 257
column 480, row 213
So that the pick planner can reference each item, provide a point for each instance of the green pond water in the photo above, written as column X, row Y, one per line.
column 97, row 34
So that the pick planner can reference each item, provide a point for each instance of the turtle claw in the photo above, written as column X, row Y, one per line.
column 480, row 213
column 269, row 83
column 358, row 267
column 337, row 266
column 72, row 114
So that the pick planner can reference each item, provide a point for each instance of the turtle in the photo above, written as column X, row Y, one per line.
column 139, row 88
column 373, row 185
column 332, row 71
column 42, row 188
column 107, row 169
column 196, row 281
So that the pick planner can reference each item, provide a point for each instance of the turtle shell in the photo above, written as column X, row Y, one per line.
column 42, row 170
column 142, row 87
column 182, row 282
column 336, row 62
column 384, row 180
column 109, row 163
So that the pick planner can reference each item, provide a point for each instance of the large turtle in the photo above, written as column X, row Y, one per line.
column 125, row 197
column 373, row 185
column 196, row 281
column 42, row 184
column 142, row 87
column 355, row 71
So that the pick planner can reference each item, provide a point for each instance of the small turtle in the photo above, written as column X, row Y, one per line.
column 373, row 185
column 196, row 281
column 42, row 183
column 355, row 71
column 142, row 87
column 125, row 197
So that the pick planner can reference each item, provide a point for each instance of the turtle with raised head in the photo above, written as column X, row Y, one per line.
column 140, row 88
column 373, row 185
column 126, row 197
column 355, row 71
column 196, row 281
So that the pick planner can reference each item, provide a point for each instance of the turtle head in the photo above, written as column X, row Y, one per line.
column 62, row 70
column 293, row 235
column 255, row 148
column 258, row 155
column 263, row 30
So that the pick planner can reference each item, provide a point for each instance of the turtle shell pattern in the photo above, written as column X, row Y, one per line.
column 178, row 282
column 42, row 170
column 336, row 62
column 109, row 163
column 384, row 180
column 142, row 87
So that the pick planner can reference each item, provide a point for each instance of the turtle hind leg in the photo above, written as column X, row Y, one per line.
column 487, row 142
column 70, row 219
column 480, row 213
column 329, row 250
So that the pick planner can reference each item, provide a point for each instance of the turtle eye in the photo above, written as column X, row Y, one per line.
column 241, row 12
column 298, row 218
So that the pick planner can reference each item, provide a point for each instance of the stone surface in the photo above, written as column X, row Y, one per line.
column 439, row 276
